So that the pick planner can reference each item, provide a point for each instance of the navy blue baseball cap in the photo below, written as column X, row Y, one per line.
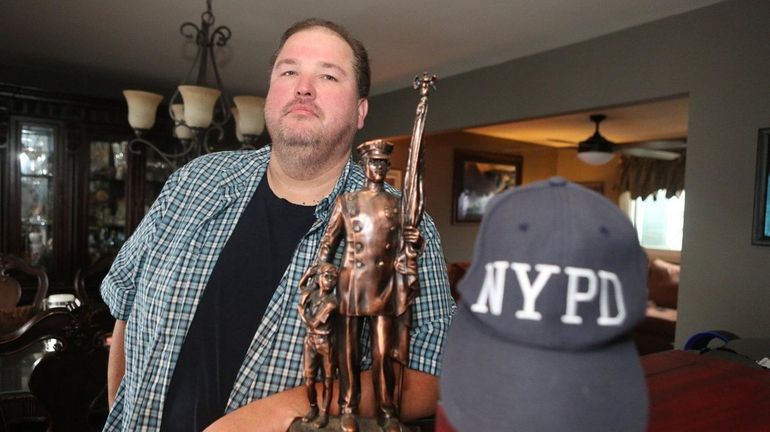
column 541, row 340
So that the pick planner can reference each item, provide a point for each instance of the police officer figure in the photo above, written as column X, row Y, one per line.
column 367, row 288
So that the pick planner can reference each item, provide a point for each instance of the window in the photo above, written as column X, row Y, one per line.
column 658, row 222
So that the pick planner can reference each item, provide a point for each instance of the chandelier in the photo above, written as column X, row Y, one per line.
column 198, row 112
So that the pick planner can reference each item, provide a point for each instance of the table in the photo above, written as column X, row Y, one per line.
column 16, row 368
column 693, row 392
column 18, row 406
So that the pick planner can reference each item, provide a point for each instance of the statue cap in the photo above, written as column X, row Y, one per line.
column 375, row 149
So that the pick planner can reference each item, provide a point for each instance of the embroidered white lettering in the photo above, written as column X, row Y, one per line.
column 530, row 291
column 604, row 306
column 491, row 295
column 574, row 295
column 607, row 284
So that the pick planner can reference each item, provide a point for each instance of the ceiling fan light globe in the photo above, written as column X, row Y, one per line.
column 595, row 157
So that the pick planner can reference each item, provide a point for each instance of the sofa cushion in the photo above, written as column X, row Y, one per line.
column 663, row 283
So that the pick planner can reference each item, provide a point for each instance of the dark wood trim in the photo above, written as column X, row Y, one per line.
column 77, row 120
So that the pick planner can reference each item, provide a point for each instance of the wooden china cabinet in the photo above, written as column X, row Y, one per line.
column 71, row 191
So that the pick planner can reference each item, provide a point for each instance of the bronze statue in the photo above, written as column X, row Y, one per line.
column 377, row 280
column 370, row 221
column 317, row 307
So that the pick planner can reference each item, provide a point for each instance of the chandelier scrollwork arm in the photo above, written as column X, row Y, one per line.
column 170, row 158
column 220, row 36
column 207, row 133
column 201, row 91
column 190, row 31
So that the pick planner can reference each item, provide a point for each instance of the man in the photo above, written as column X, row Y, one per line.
column 205, row 291
column 317, row 309
column 369, row 220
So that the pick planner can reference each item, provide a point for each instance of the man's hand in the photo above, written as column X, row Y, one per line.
column 276, row 412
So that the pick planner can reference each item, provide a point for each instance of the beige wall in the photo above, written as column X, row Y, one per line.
column 720, row 57
column 538, row 163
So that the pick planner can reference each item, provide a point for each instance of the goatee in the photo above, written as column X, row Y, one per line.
column 306, row 153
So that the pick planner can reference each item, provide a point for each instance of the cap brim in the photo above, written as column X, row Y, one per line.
column 492, row 385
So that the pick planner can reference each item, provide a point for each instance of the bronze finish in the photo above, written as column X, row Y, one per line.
column 377, row 279
column 316, row 308
column 369, row 220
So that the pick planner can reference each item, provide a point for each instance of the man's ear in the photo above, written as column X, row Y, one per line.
column 363, row 109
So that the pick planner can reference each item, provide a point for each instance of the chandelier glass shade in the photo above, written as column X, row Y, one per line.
column 142, row 106
column 198, row 110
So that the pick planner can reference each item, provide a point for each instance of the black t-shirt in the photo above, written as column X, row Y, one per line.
column 232, row 305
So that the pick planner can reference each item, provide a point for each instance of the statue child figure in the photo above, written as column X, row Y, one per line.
column 317, row 307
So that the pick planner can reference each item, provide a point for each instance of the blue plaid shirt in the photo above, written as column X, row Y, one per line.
column 160, row 273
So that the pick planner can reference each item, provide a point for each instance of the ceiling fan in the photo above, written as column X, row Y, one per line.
column 598, row 150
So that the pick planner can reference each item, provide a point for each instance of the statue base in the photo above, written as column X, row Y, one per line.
column 364, row 425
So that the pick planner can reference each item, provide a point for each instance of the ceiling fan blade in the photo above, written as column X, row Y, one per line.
column 649, row 153
column 663, row 144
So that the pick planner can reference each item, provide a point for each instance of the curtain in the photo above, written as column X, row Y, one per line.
column 643, row 177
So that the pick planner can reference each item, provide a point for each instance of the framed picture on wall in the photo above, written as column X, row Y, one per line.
column 477, row 178
column 761, row 232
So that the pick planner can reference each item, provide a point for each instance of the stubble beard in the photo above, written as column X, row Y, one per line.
column 309, row 152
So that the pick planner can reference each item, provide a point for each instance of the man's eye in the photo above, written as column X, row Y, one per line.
column 288, row 73
column 329, row 78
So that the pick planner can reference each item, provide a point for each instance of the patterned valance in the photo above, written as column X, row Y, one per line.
column 642, row 177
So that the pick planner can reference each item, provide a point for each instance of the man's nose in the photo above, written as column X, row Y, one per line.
column 305, row 89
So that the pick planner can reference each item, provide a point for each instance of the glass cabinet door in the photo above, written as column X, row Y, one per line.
column 36, row 156
column 108, row 173
column 156, row 172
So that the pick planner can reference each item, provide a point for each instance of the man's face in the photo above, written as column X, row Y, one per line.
column 376, row 169
column 313, row 97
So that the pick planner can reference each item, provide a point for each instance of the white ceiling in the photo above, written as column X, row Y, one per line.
column 138, row 41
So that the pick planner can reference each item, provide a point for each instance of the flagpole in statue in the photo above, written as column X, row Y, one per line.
column 376, row 283
column 412, row 207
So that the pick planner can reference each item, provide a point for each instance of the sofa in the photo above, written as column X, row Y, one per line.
column 656, row 332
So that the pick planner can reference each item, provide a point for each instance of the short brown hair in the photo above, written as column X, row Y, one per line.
column 360, row 56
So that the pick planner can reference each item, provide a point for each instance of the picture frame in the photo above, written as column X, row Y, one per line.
column 761, row 225
column 597, row 186
column 477, row 177
column 394, row 178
